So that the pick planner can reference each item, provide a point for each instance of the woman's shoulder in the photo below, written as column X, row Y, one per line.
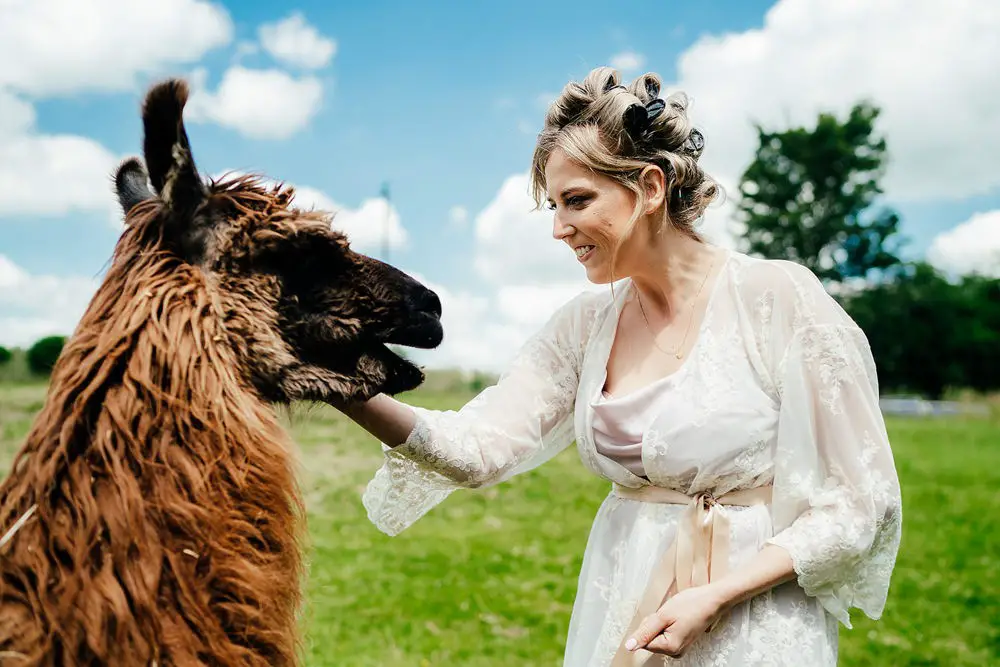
column 758, row 276
column 777, row 290
column 577, row 318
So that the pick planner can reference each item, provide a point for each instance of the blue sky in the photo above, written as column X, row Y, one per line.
column 443, row 100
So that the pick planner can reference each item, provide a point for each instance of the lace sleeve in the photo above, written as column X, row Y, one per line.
column 836, row 503
column 516, row 425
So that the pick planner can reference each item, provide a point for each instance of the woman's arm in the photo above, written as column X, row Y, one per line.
column 770, row 567
column 517, row 424
column 389, row 420
column 685, row 617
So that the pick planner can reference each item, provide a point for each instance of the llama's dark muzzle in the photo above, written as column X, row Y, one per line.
column 420, row 326
column 425, row 332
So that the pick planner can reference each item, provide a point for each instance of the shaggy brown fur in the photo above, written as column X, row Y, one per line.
column 162, row 516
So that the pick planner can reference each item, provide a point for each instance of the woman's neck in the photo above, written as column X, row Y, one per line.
column 671, row 270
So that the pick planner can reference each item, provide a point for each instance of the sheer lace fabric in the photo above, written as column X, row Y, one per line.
column 779, row 389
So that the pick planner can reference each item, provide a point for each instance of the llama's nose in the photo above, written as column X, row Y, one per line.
column 427, row 301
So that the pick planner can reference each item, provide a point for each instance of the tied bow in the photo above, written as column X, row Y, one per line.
column 698, row 554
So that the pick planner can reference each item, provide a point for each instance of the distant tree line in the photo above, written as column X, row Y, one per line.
column 811, row 195
column 929, row 334
column 40, row 357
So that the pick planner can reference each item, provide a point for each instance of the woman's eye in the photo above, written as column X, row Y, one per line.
column 576, row 202
column 551, row 206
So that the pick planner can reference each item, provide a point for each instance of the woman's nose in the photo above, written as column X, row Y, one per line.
column 559, row 229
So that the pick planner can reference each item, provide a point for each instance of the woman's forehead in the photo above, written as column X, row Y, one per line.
column 562, row 172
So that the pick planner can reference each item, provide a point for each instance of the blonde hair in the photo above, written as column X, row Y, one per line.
column 587, row 122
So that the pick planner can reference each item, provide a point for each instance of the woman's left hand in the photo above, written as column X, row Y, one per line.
column 681, row 620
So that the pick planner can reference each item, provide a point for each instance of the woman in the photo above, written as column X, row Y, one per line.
column 729, row 400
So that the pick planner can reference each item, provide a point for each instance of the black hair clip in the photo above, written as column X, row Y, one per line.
column 695, row 143
column 639, row 117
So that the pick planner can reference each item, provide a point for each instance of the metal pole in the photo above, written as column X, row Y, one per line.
column 385, row 222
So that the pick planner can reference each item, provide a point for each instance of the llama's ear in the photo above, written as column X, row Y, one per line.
column 130, row 184
column 168, row 153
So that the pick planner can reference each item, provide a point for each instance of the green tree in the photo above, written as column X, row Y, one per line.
column 5, row 355
column 929, row 334
column 43, row 354
column 809, row 196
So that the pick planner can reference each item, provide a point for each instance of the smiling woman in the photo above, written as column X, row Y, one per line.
column 607, row 153
column 729, row 401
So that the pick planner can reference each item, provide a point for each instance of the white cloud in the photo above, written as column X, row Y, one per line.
column 244, row 49
column 514, row 244
column 62, row 47
column 16, row 115
column 261, row 104
column 41, row 305
column 933, row 72
column 527, row 276
column 367, row 225
column 717, row 224
column 294, row 42
column 49, row 174
column 53, row 47
column 485, row 331
column 528, row 307
column 458, row 216
column 470, row 331
column 628, row 61
column 971, row 247
column 53, row 175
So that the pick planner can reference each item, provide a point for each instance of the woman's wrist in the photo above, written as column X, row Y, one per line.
column 726, row 593
column 770, row 567
column 389, row 420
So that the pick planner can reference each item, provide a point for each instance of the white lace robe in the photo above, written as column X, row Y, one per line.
column 779, row 389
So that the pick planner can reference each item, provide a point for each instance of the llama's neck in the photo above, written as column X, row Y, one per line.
column 160, row 479
column 148, row 372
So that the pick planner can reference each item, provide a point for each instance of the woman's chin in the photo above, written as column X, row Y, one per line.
column 598, row 275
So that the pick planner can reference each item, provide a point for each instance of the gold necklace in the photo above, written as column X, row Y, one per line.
column 677, row 351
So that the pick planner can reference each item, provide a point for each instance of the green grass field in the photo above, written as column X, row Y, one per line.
column 488, row 578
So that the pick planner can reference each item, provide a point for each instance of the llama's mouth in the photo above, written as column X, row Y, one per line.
column 425, row 333
column 400, row 373
column 396, row 374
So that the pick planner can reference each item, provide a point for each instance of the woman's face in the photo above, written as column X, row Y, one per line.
column 591, row 215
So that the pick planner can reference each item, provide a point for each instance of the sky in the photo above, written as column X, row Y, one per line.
column 442, row 102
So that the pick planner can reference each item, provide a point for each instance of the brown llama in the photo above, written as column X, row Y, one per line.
column 152, row 515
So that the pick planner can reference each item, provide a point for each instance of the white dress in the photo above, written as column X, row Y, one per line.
column 780, row 390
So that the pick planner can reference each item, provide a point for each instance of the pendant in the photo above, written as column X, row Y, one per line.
column 679, row 355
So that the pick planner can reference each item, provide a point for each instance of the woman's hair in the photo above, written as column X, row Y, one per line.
column 599, row 124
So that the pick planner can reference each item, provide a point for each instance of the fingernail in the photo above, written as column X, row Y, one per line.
column 631, row 644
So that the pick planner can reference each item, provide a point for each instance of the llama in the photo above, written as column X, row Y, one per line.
column 152, row 515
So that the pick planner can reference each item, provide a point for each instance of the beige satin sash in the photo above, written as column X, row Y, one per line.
column 699, row 553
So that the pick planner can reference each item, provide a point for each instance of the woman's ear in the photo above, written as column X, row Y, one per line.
column 653, row 182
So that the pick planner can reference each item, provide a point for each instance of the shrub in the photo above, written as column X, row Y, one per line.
column 43, row 354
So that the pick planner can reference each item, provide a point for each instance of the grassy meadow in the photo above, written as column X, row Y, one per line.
column 488, row 578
